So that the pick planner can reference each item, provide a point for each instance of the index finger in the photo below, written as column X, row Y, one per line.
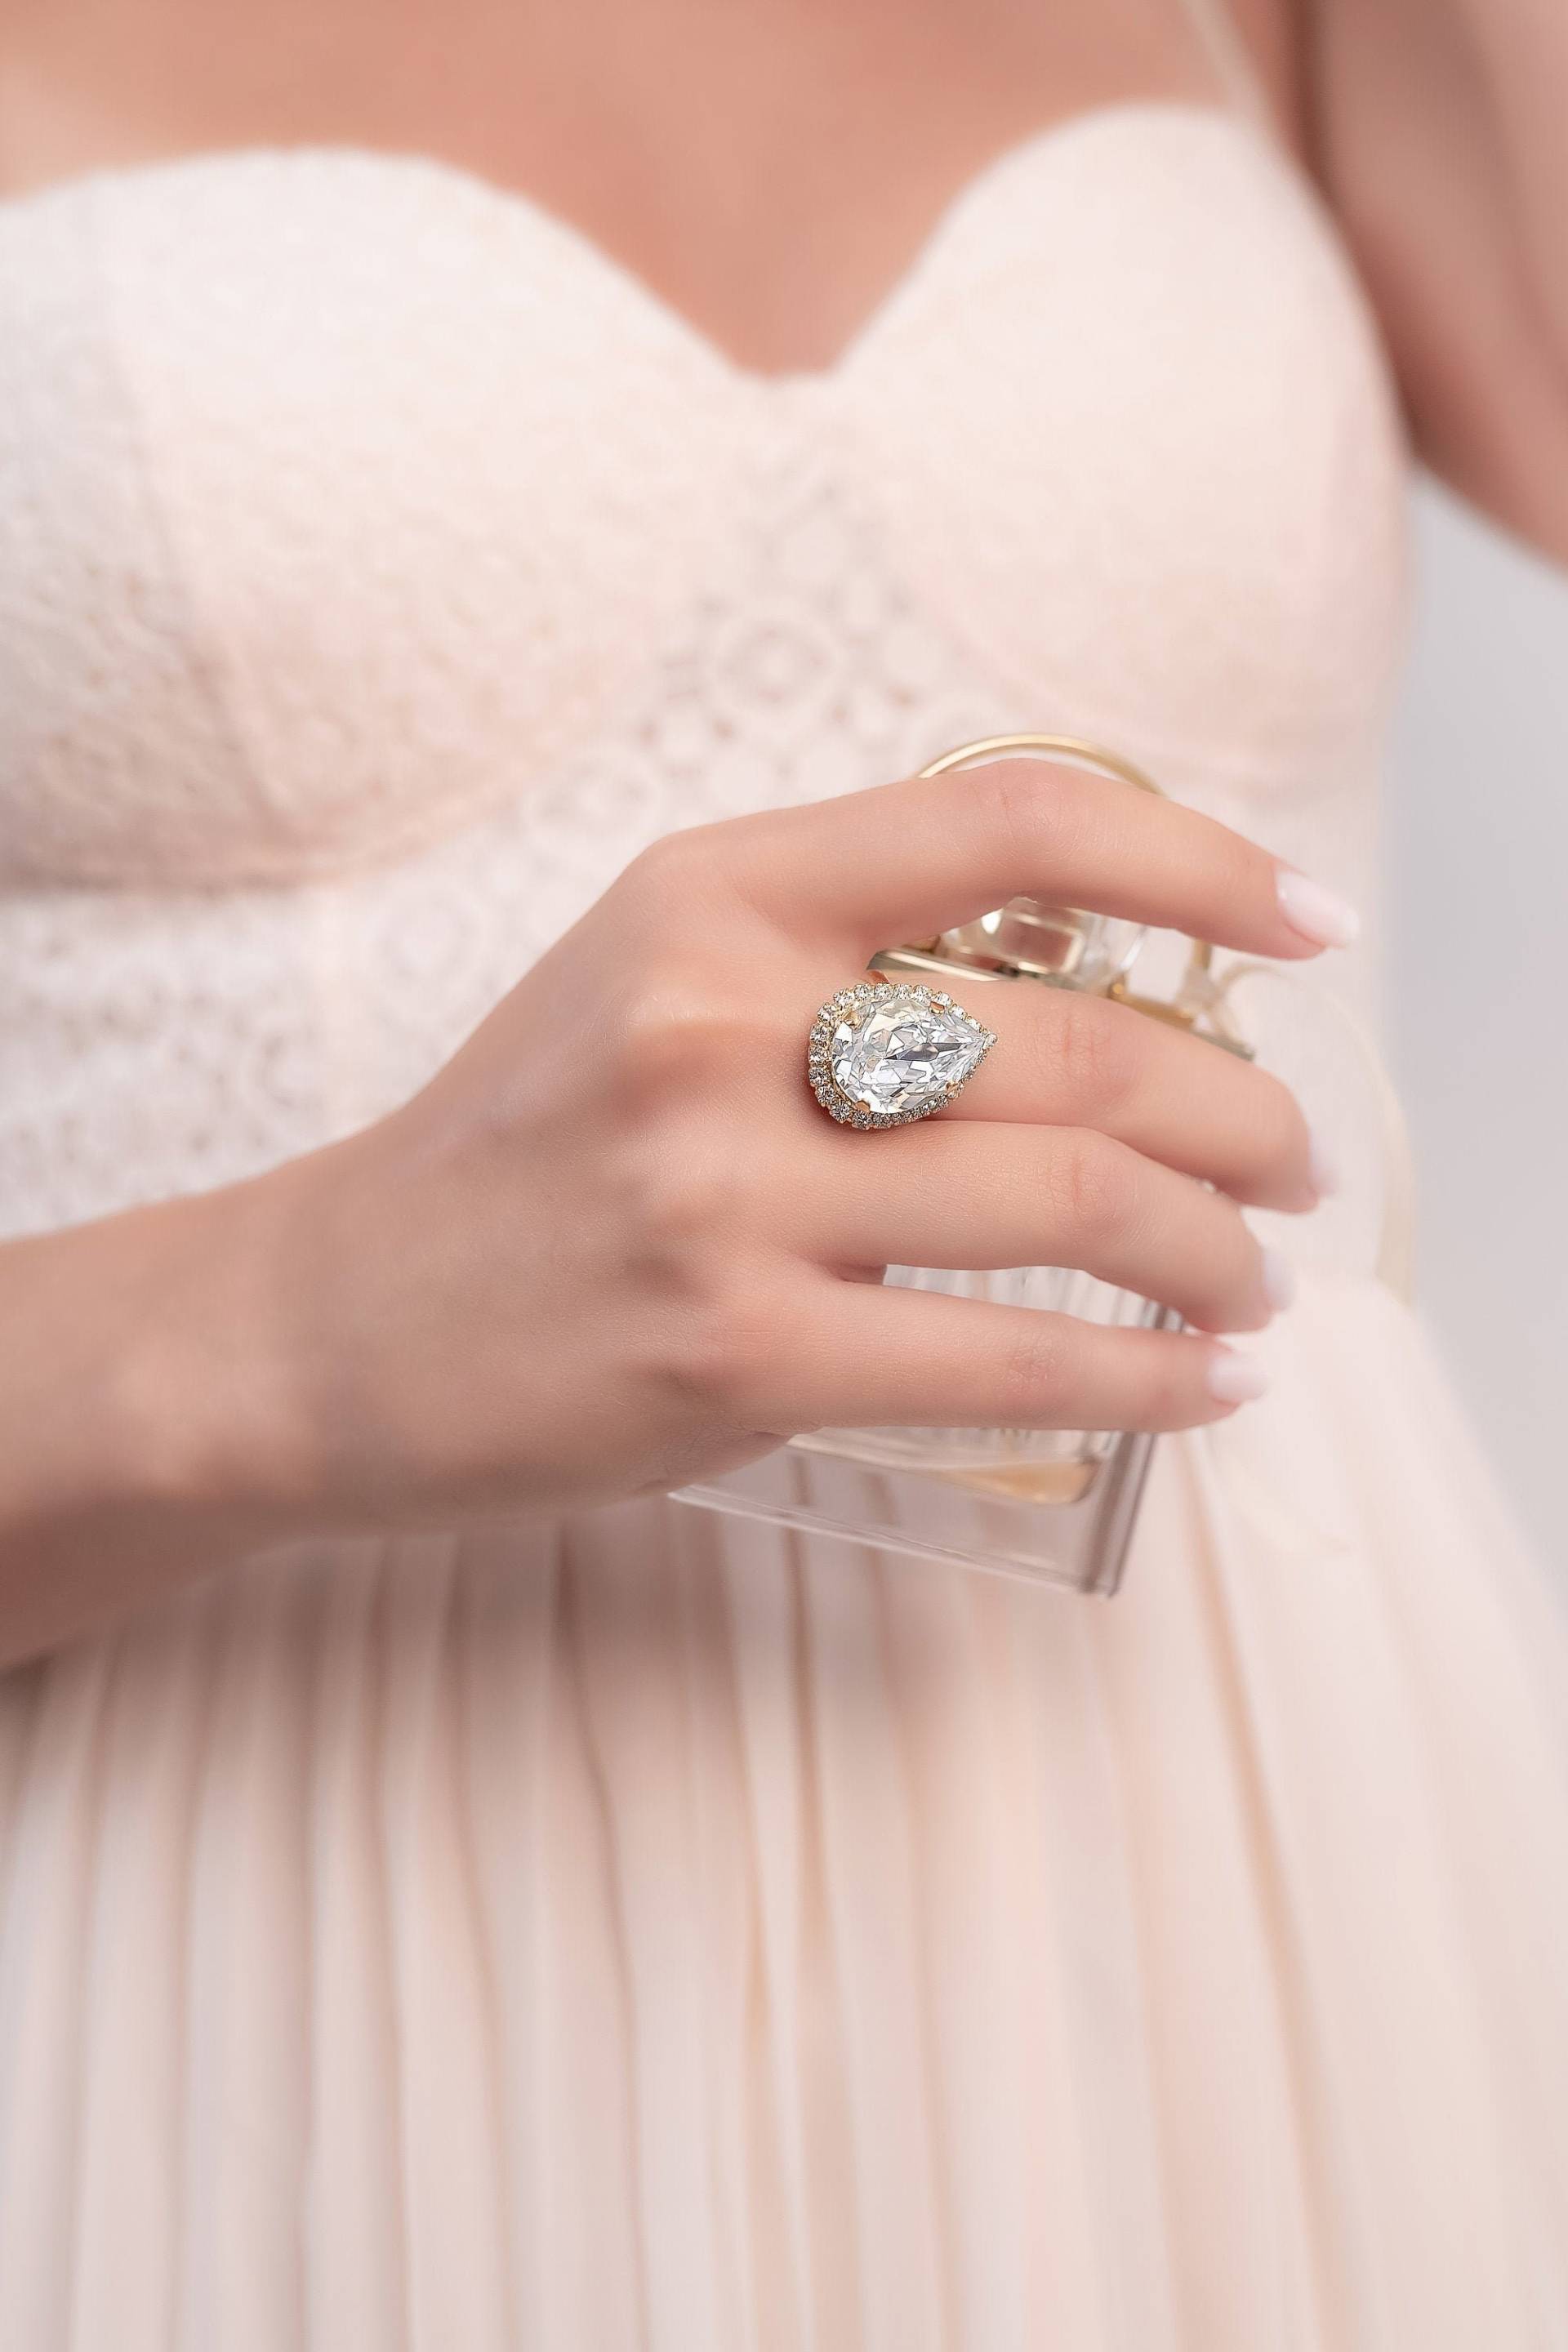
column 903, row 860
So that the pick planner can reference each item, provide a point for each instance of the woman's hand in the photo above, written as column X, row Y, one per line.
column 616, row 1243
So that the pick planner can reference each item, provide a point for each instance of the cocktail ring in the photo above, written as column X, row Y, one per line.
column 883, row 1053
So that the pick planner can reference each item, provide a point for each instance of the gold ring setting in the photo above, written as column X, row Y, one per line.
column 882, row 1052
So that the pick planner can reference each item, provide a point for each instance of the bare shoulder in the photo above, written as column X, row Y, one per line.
column 1435, row 129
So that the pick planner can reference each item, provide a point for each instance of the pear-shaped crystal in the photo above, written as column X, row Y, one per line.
column 903, row 1052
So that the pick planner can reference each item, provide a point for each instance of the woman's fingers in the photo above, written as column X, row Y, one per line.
column 951, row 1194
column 862, row 1355
column 904, row 860
column 1066, row 1060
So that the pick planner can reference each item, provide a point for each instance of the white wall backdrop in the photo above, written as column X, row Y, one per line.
column 1477, row 850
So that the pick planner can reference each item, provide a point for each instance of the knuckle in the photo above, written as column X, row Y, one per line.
column 675, row 1030
column 725, row 1357
column 1253, row 873
column 1290, row 1145
column 1228, row 1292
column 1277, row 1133
column 1038, row 1373
column 1237, row 1251
column 1230, row 870
column 669, row 869
column 1095, row 1186
column 1095, row 1055
column 1167, row 1398
column 680, row 1192
column 1033, row 803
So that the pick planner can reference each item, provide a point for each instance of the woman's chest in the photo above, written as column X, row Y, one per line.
column 342, row 495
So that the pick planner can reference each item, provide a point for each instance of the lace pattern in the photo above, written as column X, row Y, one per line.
column 380, row 568
column 156, row 1042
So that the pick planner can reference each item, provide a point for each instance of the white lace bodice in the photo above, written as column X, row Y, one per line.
column 381, row 566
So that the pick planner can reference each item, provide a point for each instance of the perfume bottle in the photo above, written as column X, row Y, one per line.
column 1053, row 1506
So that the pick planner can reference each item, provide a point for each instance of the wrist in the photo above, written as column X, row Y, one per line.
column 152, row 1420
column 204, row 1320
column 273, row 1337
column 188, row 1422
column 124, row 1466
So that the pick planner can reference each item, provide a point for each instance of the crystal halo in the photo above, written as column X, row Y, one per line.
column 882, row 1052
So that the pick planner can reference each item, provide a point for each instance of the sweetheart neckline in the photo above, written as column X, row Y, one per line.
column 1048, row 141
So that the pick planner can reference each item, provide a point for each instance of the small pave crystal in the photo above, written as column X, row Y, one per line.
column 881, row 1055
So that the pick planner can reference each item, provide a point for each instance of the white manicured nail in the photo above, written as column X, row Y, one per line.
column 1236, row 1379
column 1322, row 1167
column 1279, row 1279
column 1319, row 914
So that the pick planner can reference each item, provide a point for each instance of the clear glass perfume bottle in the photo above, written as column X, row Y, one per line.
column 1051, row 1504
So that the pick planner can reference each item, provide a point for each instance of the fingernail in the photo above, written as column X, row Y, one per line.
column 1322, row 1167
column 1236, row 1379
column 1279, row 1279
column 1319, row 914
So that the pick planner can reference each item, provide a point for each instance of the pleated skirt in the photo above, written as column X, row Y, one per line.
column 655, row 1930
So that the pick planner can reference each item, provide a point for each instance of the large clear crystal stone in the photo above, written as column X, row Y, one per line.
column 904, row 1052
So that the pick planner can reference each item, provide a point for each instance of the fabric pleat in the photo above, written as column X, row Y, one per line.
column 51, row 1845
column 351, row 2191
column 659, row 1930
column 248, row 2043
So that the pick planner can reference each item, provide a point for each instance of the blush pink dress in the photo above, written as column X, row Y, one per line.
column 644, row 1929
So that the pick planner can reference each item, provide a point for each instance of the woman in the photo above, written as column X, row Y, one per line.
column 493, row 506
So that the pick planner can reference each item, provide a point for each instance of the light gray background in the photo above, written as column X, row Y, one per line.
column 1476, row 909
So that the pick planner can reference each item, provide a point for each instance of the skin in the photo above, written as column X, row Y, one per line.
column 615, row 1245
column 615, row 1242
